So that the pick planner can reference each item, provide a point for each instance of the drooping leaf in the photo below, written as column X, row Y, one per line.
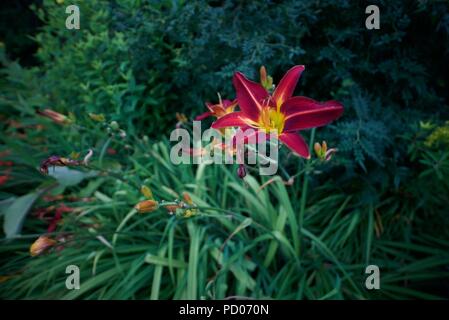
column 70, row 177
column 16, row 213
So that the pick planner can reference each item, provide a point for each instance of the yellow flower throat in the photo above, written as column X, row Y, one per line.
column 271, row 119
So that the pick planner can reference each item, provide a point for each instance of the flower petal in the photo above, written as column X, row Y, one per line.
column 203, row 116
column 209, row 106
column 228, row 103
column 250, row 95
column 299, row 103
column 296, row 143
column 234, row 119
column 310, row 114
column 286, row 86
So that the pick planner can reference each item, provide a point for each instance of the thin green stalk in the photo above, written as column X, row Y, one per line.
column 103, row 151
column 305, row 185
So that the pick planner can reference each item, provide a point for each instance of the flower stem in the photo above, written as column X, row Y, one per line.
column 305, row 185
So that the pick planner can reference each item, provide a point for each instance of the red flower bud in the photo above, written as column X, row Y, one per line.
column 241, row 171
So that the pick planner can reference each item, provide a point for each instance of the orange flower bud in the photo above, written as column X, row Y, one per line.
column 55, row 116
column 40, row 245
column 324, row 147
column 147, row 206
column 263, row 74
column 317, row 148
column 187, row 198
column 172, row 208
column 265, row 80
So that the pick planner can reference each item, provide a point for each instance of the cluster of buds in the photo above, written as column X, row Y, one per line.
column 113, row 128
column 58, row 161
column 322, row 152
column 182, row 208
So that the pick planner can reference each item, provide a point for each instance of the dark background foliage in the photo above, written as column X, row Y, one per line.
column 181, row 54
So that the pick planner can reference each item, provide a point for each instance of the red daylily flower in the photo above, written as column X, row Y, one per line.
column 58, row 216
column 279, row 112
column 218, row 110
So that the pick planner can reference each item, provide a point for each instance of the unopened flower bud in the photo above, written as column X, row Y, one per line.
column 324, row 147
column 114, row 125
column 97, row 117
column 188, row 213
column 265, row 80
column 263, row 74
column 317, row 148
column 187, row 198
column 241, row 171
column 329, row 153
column 147, row 206
column 55, row 116
column 172, row 208
column 146, row 191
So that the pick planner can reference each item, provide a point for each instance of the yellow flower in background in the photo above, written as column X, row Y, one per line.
column 440, row 135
